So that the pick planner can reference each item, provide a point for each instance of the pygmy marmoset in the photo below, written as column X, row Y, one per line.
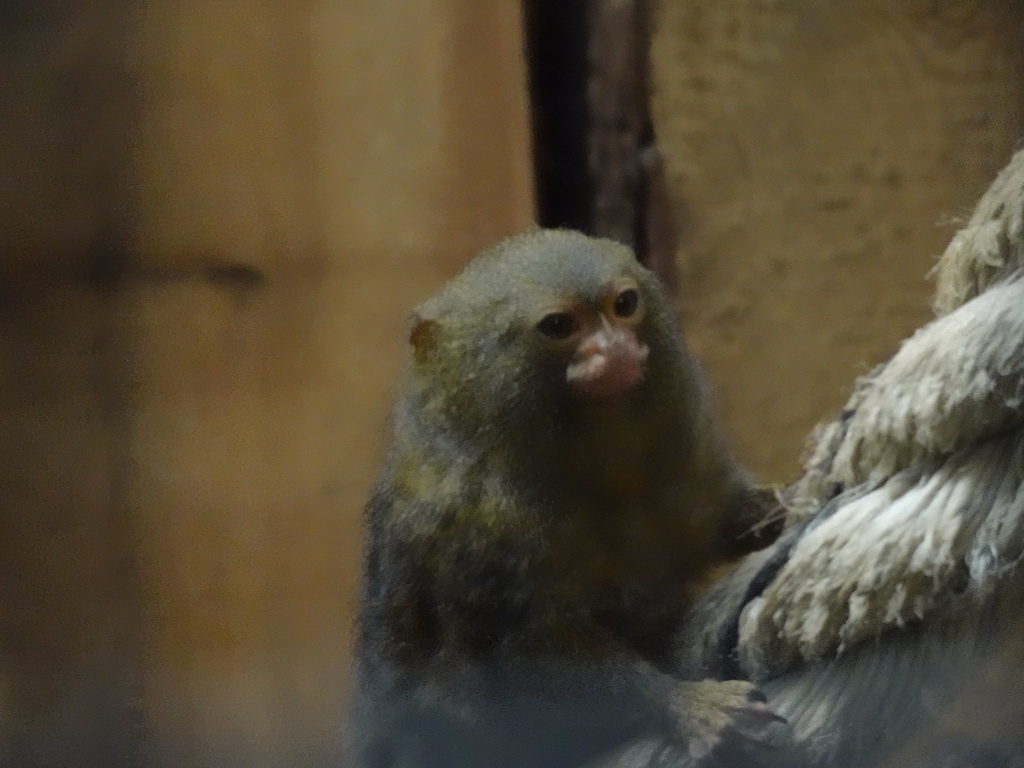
column 554, row 489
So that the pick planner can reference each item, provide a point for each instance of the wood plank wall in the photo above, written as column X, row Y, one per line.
column 214, row 218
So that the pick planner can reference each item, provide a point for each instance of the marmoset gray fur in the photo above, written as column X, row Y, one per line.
column 555, row 488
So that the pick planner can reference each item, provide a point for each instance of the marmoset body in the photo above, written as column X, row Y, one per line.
column 554, row 490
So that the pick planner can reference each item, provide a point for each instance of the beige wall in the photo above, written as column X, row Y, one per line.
column 819, row 157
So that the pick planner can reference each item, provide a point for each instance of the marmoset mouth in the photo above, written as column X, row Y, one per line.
column 608, row 371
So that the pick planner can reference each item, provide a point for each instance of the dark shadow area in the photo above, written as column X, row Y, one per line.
column 556, row 53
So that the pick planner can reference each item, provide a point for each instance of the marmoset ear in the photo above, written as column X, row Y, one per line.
column 422, row 335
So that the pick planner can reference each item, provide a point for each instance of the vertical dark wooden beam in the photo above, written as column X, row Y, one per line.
column 597, row 163
column 557, row 37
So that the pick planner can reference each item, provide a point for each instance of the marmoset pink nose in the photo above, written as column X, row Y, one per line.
column 611, row 361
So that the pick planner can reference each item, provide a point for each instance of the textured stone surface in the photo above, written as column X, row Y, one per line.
column 819, row 158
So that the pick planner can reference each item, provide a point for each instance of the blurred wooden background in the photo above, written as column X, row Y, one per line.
column 214, row 218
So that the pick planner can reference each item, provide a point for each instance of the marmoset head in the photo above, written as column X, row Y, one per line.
column 545, row 321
